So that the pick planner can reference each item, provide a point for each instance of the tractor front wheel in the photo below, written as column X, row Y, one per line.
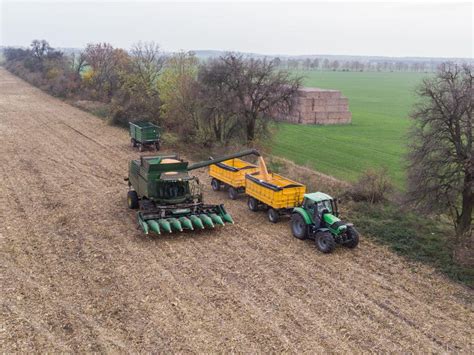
column 353, row 238
column 233, row 194
column 132, row 200
column 215, row 184
column 325, row 242
column 252, row 204
column 298, row 226
column 273, row 215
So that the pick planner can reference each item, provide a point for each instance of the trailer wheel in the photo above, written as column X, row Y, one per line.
column 252, row 204
column 215, row 184
column 157, row 146
column 273, row 215
column 140, row 147
column 353, row 238
column 132, row 200
column 325, row 242
column 233, row 194
column 133, row 142
column 298, row 226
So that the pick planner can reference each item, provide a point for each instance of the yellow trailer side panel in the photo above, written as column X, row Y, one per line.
column 276, row 191
column 232, row 171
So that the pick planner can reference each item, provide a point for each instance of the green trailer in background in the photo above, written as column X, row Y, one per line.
column 144, row 134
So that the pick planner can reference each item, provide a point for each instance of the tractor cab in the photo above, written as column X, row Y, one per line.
column 318, row 204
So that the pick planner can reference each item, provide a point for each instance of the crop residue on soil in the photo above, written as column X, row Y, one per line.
column 77, row 275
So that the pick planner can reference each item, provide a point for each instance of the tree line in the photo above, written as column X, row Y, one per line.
column 223, row 100
column 326, row 64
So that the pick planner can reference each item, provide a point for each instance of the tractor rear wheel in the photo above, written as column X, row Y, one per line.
column 132, row 200
column 233, row 194
column 215, row 184
column 325, row 242
column 273, row 215
column 298, row 226
column 252, row 204
column 353, row 238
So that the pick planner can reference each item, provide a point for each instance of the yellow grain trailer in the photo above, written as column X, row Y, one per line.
column 230, row 174
column 273, row 192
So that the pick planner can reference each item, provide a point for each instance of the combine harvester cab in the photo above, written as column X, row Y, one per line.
column 169, row 199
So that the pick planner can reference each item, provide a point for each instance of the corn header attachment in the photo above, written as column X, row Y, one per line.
column 169, row 199
column 196, row 217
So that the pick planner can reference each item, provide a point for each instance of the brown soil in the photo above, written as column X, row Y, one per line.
column 77, row 275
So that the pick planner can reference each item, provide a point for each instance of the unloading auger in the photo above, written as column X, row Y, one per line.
column 169, row 199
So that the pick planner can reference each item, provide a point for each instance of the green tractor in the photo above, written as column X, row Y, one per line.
column 317, row 218
column 168, row 198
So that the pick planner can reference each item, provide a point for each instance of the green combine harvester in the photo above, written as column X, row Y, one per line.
column 169, row 199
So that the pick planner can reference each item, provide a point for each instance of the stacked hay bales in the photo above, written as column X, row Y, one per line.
column 319, row 106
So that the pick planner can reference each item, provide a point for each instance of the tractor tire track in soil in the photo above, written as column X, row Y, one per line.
column 77, row 274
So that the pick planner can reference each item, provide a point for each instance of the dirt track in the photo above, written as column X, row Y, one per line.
column 76, row 274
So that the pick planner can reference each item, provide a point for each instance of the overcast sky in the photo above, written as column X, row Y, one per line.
column 388, row 29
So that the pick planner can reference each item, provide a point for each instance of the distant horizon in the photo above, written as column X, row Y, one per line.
column 280, row 55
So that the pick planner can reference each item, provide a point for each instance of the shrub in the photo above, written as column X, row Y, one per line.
column 373, row 186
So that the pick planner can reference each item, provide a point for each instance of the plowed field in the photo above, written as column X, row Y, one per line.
column 76, row 274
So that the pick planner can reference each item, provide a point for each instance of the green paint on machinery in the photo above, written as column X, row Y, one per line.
column 317, row 218
column 144, row 134
column 169, row 198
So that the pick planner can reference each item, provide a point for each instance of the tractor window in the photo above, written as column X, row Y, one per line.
column 308, row 204
column 324, row 205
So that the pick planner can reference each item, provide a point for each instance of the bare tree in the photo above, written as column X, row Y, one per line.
column 107, row 63
column 326, row 64
column 277, row 61
column 441, row 169
column 147, row 61
column 315, row 64
column 78, row 62
column 261, row 90
column 241, row 95
column 40, row 48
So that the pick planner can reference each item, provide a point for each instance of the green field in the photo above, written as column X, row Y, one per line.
column 380, row 104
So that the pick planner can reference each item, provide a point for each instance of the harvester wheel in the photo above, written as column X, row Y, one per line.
column 132, row 200
column 252, row 204
column 215, row 184
column 325, row 242
column 353, row 238
column 273, row 215
column 298, row 226
column 233, row 194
